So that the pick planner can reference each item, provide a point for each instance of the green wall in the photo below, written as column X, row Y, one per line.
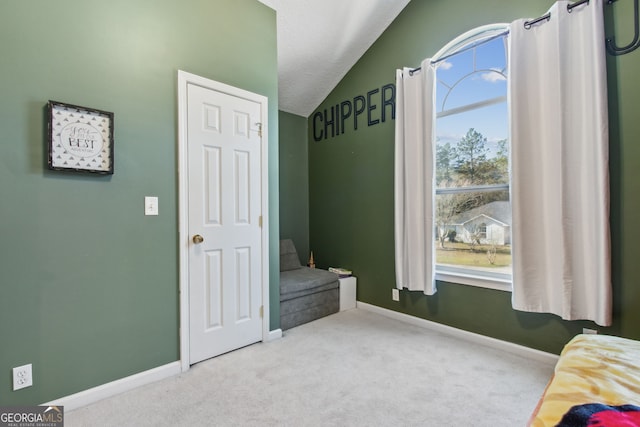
column 294, row 182
column 351, row 180
column 89, row 285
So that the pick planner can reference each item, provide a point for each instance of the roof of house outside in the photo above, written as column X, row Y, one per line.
column 499, row 211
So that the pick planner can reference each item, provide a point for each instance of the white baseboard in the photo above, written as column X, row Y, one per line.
column 520, row 350
column 276, row 334
column 95, row 394
column 92, row 395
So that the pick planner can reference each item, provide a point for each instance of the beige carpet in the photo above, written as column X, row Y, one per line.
column 354, row 368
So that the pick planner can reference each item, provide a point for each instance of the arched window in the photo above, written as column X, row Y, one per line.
column 472, row 149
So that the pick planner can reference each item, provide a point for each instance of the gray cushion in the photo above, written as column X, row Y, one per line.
column 305, row 280
column 289, row 259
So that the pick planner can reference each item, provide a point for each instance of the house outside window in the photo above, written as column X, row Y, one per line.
column 473, row 211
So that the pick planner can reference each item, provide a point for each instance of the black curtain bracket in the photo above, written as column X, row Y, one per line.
column 610, row 42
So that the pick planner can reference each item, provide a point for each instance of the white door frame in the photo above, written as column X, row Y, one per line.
column 185, row 79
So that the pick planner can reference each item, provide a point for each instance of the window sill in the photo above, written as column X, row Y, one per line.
column 502, row 283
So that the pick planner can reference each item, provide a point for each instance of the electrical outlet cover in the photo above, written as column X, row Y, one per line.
column 22, row 377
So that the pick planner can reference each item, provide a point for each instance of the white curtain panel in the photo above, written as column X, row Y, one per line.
column 414, row 178
column 560, row 178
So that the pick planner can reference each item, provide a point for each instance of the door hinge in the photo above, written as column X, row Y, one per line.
column 260, row 221
column 259, row 129
column 261, row 311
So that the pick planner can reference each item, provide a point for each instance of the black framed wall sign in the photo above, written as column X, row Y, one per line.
column 80, row 139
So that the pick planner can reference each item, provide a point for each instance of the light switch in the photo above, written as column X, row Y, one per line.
column 150, row 205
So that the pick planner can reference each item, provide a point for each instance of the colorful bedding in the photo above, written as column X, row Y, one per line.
column 596, row 383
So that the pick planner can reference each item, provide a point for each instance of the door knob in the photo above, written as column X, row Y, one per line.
column 198, row 239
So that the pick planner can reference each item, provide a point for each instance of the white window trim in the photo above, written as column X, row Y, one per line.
column 476, row 34
column 463, row 276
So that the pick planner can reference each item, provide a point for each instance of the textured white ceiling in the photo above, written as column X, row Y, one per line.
column 319, row 41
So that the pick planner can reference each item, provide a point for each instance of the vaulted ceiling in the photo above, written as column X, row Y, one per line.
column 320, row 40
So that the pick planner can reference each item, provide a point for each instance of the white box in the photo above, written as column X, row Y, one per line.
column 348, row 293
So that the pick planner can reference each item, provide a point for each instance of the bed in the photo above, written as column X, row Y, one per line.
column 596, row 383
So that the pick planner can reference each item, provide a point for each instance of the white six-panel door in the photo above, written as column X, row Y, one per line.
column 224, row 222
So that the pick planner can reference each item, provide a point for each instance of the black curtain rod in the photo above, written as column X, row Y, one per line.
column 528, row 24
column 546, row 17
column 610, row 42
column 576, row 4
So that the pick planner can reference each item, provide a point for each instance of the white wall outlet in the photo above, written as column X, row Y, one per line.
column 589, row 331
column 22, row 377
column 150, row 205
column 395, row 294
